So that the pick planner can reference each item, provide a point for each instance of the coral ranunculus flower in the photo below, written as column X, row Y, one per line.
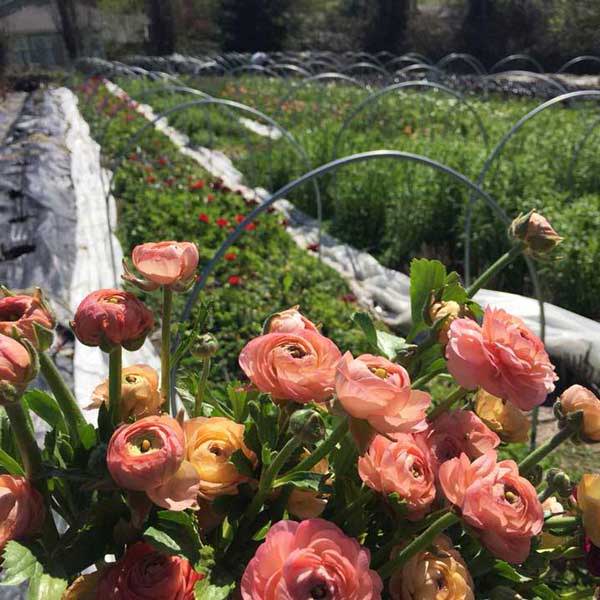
column 503, row 357
column 577, row 398
column 22, row 511
column 495, row 500
column 502, row 417
column 588, row 500
column 404, row 467
column 16, row 368
column 377, row 390
column 166, row 263
column 20, row 312
column 311, row 559
column 144, row 573
column 145, row 454
column 288, row 321
column 140, row 396
column 111, row 317
column 437, row 574
column 458, row 431
column 298, row 366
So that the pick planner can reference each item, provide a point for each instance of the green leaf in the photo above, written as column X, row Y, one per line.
column 174, row 533
column 364, row 321
column 425, row 276
column 544, row 592
column 87, row 434
column 507, row 571
column 162, row 541
column 391, row 345
column 238, row 400
column 242, row 464
column 204, row 590
column 45, row 407
column 305, row 480
column 43, row 586
column 9, row 464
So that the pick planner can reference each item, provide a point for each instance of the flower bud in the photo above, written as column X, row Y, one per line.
column 307, row 425
column 588, row 500
column 578, row 398
column 502, row 417
column 109, row 318
column 288, row 321
column 205, row 346
column 560, row 482
column 448, row 312
column 536, row 233
column 18, row 366
column 30, row 316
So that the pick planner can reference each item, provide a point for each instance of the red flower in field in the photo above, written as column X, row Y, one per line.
column 239, row 218
column 150, row 179
column 222, row 223
column 169, row 181
column 197, row 185
column 251, row 201
column 284, row 222
column 239, row 192
column 350, row 298
column 271, row 209
column 250, row 227
column 129, row 117
column 204, row 218
column 230, row 256
column 162, row 161
column 133, row 157
column 217, row 185
column 235, row 280
column 210, row 197
column 313, row 247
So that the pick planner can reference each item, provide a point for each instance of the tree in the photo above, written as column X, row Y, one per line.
column 251, row 25
column 68, row 25
column 162, row 26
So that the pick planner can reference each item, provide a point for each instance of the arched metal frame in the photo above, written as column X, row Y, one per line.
column 578, row 60
column 517, row 58
column 415, row 67
column 365, row 66
column 464, row 57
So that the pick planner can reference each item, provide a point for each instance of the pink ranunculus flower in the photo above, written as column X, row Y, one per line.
column 112, row 317
column 311, row 559
column 146, row 454
column 459, row 431
column 288, row 321
column 404, row 466
column 377, row 390
column 298, row 366
column 22, row 312
column 166, row 263
column 503, row 357
column 495, row 500
column 16, row 367
column 22, row 511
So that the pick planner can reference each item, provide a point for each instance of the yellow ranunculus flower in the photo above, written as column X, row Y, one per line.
column 140, row 396
column 210, row 442
column 438, row 574
column 588, row 500
column 502, row 417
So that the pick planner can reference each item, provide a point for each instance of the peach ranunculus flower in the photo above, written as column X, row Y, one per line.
column 403, row 466
column 503, row 357
column 172, row 264
column 458, row 431
column 502, row 417
column 140, row 396
column 22, row 511
column 22, row 312
column 145, row 454
column 495, row 500
column 306, row 504
column 144, row 572
column 298, row 366
column 377, row 390
column 577, row 398
column 437, row 574
column 535, row 231
column 111, row 317
column 288, row 321
column 311, row 559
column 16, row 367
column 588, row 501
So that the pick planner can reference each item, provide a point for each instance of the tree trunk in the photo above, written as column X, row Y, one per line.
column 162, row 26
column 70, row 33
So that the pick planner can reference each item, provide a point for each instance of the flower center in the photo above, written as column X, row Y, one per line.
column 319, row 592
column 296, row 351
column 416, row 471
column 379, row 372
column 145, row 445
column 130, row 378
column 216, row 450
column 114, row 300
column 511, row 496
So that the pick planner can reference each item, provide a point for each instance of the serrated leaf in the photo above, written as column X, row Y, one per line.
column 364, row 321
column 204, row 590
column 509, row 572
column 391, row 345
column 304, row 480
column 545, row 593
column 9, row 464
column 242, row 464
column 425, row 277
column 46, row 408
column 43, row 586
column 174, row 533
column 238, row 400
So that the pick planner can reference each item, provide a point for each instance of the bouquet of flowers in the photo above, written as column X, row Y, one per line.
column 324, row 475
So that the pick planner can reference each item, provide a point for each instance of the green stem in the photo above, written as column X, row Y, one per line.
column 419, row 544
column 560, row 522
column 421, row 381
column 537, row 455
column 362, row 499
column 324, row 449
column 502, row 262
column 28, row 448
column 165, row 350
column 115, row 360
column 201, row 387
column 446, row 404
column 535, row 414
column 64, row 397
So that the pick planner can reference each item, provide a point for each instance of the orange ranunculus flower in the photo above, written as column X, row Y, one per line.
column 298, row 366
column 405, row 467
column 377, row 390
column 502, row 417
column 111, row 317
column 588, row 500
column 146, row 454
column 140, row 396
column 288, row 321
column 22, row 511
column 577, row 398
column 21, row 312
column 438, row 574
column 166, row 263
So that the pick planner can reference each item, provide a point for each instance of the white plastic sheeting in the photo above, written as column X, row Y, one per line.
column 383, row 291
